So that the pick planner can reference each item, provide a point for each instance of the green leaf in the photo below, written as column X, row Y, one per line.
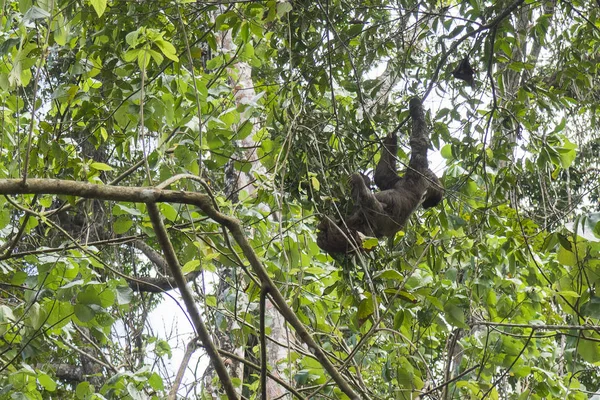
column 592, row 308
column 567, row 153
column 407, row 376
column 365, row 308
column 566, row 257
column 391, row 274
column 121, row 209
column 568, row 293
column 398, row 319
column 134, row 392
column 35, row 13
column 211, row 301
column 167, row 49
column 36, row 316
column 131, row 55
column 248, row 51
column 99, row 6
column 588, row 350
column 314, row 270
column 191, row 266
column 564, row 242
column 89, row 295
column 132, row 38
column 283, row 8
column 124, row 295
column 84, row 312
column 156, row 382
column 5, row 215
column 47, row 382
column 6, row 318
column 168, row 211
column 592, row 224
column 401, row 294
column 369, row 242
column 144, row 57
column 245, row 130
column 83, row 390
column 100, row 166
column 156, row 56
column 60, row 31
column 122, row 225
column 446, row 152
column 315, row 183
column 107, row 298
column 32, row 223
column 455, row 315
column 230, row 117
column 163, row 348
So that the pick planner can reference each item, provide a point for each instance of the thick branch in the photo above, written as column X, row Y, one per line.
column 150, row 195
column 67, row 372
column 157, row 285
column 153, row 255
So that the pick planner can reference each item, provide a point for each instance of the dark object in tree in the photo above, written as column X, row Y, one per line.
column 465, row 72
column 384, row 213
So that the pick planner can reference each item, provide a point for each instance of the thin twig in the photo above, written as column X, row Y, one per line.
column 106, row 363
column 257, row 368
column 458, row 41
column 196, row 95
column 507, row 370
column 539, row 327
column 42, row 59
column 457, row 377
column 10, row 245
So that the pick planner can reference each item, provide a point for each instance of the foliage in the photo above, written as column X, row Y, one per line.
column 492, row 294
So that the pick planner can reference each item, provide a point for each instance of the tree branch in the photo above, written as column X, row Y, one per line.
column 457, row 42
column 189, row 350
column 149, row 284
column 165, row 243
column 150, row 196
column 154, row 256
column 67, row 372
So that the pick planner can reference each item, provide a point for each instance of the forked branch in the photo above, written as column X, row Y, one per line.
column 150, row 196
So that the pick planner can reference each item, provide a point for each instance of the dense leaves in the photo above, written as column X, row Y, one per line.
column 491, row 294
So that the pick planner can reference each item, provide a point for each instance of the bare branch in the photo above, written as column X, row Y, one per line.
column 148, row 284
column 155, row 257
column 189, row 350
column 165, row 243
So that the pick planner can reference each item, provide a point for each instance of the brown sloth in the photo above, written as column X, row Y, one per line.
column 384, row 213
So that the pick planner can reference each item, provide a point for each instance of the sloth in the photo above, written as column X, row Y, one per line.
column 384, row 213
column 465, row 72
